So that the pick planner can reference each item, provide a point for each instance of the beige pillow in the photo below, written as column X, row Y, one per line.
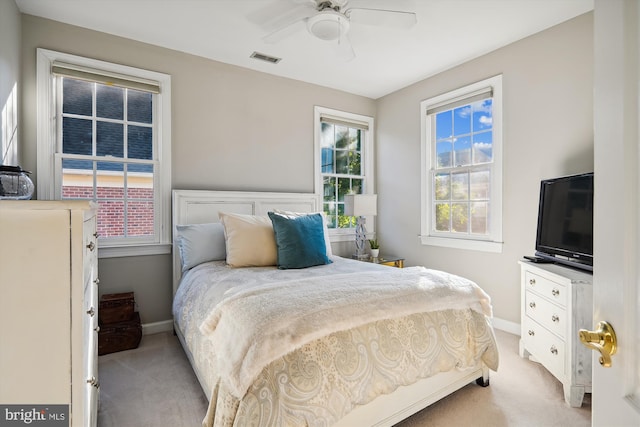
column 249, row 239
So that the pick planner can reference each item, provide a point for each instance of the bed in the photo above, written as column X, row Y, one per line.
column 339, row 342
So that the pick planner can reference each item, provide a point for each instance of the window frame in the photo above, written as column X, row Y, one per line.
column 48, row 179
column 493, row 242
column 367, row 147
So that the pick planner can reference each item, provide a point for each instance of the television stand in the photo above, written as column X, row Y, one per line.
column 556, row 302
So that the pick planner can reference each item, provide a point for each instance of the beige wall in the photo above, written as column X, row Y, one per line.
column 232, row 129
column 548, row 132
column 9, row 75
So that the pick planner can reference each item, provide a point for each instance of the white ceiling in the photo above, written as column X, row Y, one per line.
column 448, row 33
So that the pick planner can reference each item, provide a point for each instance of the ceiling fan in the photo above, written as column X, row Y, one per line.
column 330, row 20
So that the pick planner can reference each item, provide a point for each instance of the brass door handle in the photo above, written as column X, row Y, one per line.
column 602, row 339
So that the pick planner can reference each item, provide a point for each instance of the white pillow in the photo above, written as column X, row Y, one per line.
column 200, row 243
column 327, row 242
column 250, row 240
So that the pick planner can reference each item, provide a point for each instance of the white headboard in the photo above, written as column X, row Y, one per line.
column 203, row 206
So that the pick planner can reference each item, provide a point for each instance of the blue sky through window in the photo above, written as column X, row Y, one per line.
column 462, row 128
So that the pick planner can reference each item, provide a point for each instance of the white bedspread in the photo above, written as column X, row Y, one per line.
column 323, row 380
column 266, row 322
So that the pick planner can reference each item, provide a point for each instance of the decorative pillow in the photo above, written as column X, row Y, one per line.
column 200, row 243
column 249, row 239
column 300, row 240
column 327, row 242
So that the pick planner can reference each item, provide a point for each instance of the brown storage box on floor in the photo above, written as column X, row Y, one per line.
column 120, row 336
column 116, row 308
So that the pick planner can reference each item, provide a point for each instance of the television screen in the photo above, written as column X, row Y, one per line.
column 565, row 220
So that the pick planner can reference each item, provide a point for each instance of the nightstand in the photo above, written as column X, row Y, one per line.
column 390, row 260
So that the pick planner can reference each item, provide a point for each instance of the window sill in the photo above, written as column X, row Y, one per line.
column 473, row 245
column 129, row 251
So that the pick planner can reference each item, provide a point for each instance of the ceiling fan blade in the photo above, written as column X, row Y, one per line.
column 284, row 32
column 276, row 13
column 399, row 5
column 278, row 22
column 294, row 15
column 382, row 17
column 344, row 49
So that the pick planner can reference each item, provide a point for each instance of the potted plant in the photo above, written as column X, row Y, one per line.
column 375, row 248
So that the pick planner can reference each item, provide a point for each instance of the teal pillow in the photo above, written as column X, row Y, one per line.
column 300, row 240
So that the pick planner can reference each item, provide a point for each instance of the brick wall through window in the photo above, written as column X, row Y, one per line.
column 110, row 198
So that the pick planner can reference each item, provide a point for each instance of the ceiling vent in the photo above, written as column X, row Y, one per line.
column 266, row 58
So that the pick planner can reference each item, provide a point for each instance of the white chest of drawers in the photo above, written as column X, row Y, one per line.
column 48, row 306
column 557, row 302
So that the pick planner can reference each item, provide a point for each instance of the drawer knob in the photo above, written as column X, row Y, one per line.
column 91, row 246
column 555, row 318
column 94, row 382
column 532, row 282
column 532, row 304
column 531, row 333
column 554, row 350
column 555, row 292
column 91, row 312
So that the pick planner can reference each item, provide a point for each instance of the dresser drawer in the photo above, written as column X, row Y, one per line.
column 547, row 348
column 554, row 291
column 549, row 315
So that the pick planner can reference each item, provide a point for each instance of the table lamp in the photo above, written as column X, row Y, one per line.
column 360, row 205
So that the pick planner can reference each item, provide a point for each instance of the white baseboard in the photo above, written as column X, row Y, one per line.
column 506, row 325
column 157, row 327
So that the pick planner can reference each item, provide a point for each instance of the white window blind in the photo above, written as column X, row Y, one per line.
column 111, row 79
column 468, row 98
column 343, row 122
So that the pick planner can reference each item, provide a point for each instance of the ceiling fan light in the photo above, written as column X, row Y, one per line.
column 328, row 25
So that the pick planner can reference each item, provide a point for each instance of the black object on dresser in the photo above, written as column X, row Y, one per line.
column 120, row 327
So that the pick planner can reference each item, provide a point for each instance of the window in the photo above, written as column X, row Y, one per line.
column 462, row 167
column 9, row 135
column 108, row 142
column 344, row 164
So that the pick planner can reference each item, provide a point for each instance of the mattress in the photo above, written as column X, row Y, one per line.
column 318, row 381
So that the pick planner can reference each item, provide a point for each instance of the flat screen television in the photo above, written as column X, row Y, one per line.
column 565, row 221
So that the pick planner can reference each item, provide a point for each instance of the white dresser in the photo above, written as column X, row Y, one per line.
column 48, row 306
column 557, row 302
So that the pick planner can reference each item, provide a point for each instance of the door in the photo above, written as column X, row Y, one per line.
column 616, row 390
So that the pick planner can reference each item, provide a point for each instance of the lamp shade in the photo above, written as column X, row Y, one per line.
column 360, row 204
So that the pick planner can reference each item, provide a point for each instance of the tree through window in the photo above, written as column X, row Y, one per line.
column 344, row 150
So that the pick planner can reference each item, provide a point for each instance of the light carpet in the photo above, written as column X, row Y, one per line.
column 154, row 386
